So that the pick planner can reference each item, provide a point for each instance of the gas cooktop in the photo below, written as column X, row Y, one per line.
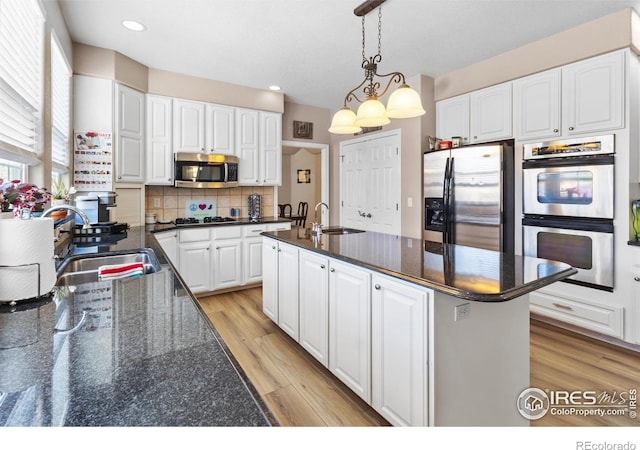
column 204, row 220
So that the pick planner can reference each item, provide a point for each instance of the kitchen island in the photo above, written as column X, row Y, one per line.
column 129, row 352
column 426, row 333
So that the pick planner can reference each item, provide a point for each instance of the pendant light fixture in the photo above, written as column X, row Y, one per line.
column 403, row 103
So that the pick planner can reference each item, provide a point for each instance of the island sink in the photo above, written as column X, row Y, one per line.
column 341, row 230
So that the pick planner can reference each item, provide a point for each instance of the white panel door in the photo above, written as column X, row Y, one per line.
column 220, row 129
column 271, row 148
column 452, row 118
column 129, row 150
column 248, row 146
column 227, row 263
column 288, row 289
column 536, row 101
column 188, row 126
column 195, row 265
column 399, row 351
column 270, row 278
column 314, row 305
column 370, row 183
column 159, row 152
column 593, row 94
column 350, row 327
column 490, row 112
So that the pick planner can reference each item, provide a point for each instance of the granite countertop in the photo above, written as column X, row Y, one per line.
column 464, row 272
column 144, row 355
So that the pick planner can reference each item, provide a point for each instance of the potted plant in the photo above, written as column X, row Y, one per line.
column 23, row 196
column 59, row 196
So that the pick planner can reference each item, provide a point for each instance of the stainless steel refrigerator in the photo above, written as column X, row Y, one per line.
column 469, row 196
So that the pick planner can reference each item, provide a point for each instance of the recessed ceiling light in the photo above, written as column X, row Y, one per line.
column 273, row 87
column 133, row 25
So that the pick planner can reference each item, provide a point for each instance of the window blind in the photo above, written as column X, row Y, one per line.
column 60, row 111
column 21, row 67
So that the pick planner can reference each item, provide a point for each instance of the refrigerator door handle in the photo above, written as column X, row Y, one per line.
column 451, row 203
column 445, row 198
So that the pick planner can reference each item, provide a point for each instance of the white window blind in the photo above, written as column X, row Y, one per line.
column 60, row 91
column 21, row 67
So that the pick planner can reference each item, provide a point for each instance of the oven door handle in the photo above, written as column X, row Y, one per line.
column 569, row 161
column 569, row 223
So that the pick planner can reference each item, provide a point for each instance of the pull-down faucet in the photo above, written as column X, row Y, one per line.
column 316, row 228
column 78, row 211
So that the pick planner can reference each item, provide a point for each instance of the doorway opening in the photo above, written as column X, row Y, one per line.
column 305, row 178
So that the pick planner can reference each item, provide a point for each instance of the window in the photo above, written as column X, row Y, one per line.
column 10, row 170
column 21, row 67
column 60, row 111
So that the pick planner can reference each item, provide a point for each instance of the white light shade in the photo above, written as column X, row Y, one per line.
column 343, row 122
column 372, row 114
column 133, row 25
column 404, row 103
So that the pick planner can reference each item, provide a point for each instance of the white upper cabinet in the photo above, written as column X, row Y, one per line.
column 452, row 118
column 220, row 129
column 188, row 126
column 537, row 106
column 593, row 93
column 579, row 98
column 247, row 136
column 159, row 152
column 490, row 114
column 129, row 151
column 271, row 148
column 259, row 145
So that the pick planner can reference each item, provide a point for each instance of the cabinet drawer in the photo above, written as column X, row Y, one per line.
column 195, row 235
column 253, row 230
column 226, row 232
column 279, row 226
column 603, row 319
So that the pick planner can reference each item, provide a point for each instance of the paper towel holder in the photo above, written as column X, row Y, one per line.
column 15, row 302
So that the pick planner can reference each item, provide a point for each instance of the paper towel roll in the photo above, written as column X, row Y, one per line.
column 25, row 242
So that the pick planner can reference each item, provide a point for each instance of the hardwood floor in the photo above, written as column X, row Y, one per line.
column 301, row 392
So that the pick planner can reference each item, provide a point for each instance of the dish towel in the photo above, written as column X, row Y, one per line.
column 114, row 271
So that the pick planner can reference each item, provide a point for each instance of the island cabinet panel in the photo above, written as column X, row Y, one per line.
column 314, row 305
column 399, row 364
column 270, row 279
column 288, row 289
column 349, row 327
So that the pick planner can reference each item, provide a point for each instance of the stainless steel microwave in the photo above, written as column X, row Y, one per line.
column 200, row 170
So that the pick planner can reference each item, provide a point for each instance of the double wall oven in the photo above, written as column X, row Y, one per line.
column 568, row 197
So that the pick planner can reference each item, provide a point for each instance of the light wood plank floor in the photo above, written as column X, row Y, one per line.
column 301, row 392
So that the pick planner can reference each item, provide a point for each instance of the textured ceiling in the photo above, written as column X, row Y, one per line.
column 312, row 48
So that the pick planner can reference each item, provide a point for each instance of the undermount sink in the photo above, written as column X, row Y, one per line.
column 340, row 230
column 84, row 268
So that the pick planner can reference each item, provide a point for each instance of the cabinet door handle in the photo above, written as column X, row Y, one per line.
column 561, row 306
column 332, row 270
column 217, row 248
column 636, row 278
column 570, row 128
column 555, row 130
column 273, row 247
column 322, row 266
column 377, row 286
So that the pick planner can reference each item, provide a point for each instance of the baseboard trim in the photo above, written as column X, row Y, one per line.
column 586, row 332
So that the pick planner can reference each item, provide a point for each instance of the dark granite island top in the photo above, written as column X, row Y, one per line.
column 144, row 355
column 463, row 272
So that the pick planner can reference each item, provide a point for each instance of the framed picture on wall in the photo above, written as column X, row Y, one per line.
column 304, row 176
column 302, row 130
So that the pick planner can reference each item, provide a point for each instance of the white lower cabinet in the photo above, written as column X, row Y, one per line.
column 399, row 364
column 226, row 243
column 368, row 329
column 270, row 279
column 349, row 326
column 314, row 305
column 168, row 241
column 195, row 265
column 288, row 289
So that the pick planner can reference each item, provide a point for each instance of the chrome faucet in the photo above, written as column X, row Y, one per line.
column 81, row 213
column 316, row 228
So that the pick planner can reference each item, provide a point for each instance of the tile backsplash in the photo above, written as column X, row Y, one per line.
column 169, row 202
